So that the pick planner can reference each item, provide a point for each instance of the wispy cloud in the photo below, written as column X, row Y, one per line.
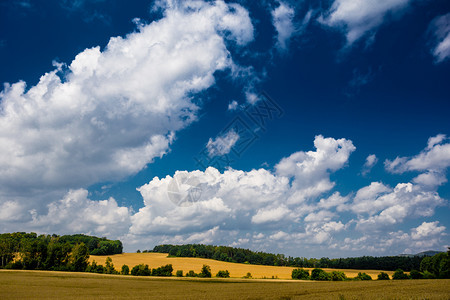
column 359, row 18
column 440, row 31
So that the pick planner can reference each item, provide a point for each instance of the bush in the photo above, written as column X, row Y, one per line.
column 191, row 274
column 125, row 270
column 414, row 274
column 179, row 273
column 205, row 272
column 364, row 276
column 383, row 276
column 223, row 274
column 140, row 270
column 338, row 276
column 300, row 274
column 163, row 271
column 399, row 274
column 319, row 274
column 428, row 275
column 249, row 275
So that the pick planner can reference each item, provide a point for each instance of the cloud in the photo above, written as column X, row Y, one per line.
column 357, row 18
column 75, row 213
column 246, row 204
column 383, row 207
column 371, row 161
column 233, row 105
column 426, row 230
column 282, row 18
column 433, row 161
column 222, row 145
column 440, row 31
column 311, row 169
column 116, row 109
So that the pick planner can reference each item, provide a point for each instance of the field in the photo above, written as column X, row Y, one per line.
column 236, row 270
column 60, row 285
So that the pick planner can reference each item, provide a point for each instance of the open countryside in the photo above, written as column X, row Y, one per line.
column 69, row 285
column 190, row 263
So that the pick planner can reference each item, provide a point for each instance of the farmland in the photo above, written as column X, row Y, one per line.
column 188, row 263
column 61, row 285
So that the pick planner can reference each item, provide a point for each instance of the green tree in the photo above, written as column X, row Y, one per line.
column 400, row 274
column 300, row 274
column 383, row 276
column 179, row 273
column 109, row 267
column 363, row 276
column 319, row 274
column 79, row 259
column 223, row 274
column 141, row 270
column 125, row 270
column 205, row 272
column 414, row 274
column 338, row 276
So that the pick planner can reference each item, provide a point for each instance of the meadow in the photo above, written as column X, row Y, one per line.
column 236, row 270
column 21, row 284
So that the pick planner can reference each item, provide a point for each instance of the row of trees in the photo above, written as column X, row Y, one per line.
column 22, row 250
column 240, row 255
column 321, row 275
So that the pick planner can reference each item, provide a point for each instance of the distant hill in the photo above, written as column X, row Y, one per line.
column 422, row 254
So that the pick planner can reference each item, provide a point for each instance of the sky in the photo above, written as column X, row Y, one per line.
column 308, row 128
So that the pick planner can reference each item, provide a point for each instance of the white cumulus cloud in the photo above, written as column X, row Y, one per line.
column 358, row 18
column 117, row 108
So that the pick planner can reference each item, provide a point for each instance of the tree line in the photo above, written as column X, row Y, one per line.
column 30, row 251
column 240, row 255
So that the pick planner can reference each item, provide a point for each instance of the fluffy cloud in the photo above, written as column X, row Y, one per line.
column 282, row 18
column 311, row 169
column 434, row 160
column 118, row 108
column 193, row 203
column 76, row 213
column 359, row 17
column 440, row 29
column 222, row 144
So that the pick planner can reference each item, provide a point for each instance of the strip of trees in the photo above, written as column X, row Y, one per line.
column 22, row 250
column 239, row 255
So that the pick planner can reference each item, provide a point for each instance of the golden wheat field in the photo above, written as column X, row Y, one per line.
column 236, row 270
column 22, row 284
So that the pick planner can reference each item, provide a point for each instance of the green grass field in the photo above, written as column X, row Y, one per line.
column 61, row 285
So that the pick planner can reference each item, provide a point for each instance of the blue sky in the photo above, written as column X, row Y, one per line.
column 310, row 128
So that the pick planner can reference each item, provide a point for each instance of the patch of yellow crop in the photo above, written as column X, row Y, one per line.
column 236, row 270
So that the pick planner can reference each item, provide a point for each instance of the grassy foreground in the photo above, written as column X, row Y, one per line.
column 61, row 285
column 236, row 270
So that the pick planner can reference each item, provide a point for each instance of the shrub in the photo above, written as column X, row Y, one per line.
column 364, row 276
column 163, row 271
column 179, row 273
column 125, row 270
column 205, row 272
column 338, row 276
column 319, row 274
column 414, row 274
column 140, row 270
column 428, row 275
column 399, row 274
column 249, row 275
column 383, row 276
column 223, row 274
column 300, row 274
column 191, row 274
